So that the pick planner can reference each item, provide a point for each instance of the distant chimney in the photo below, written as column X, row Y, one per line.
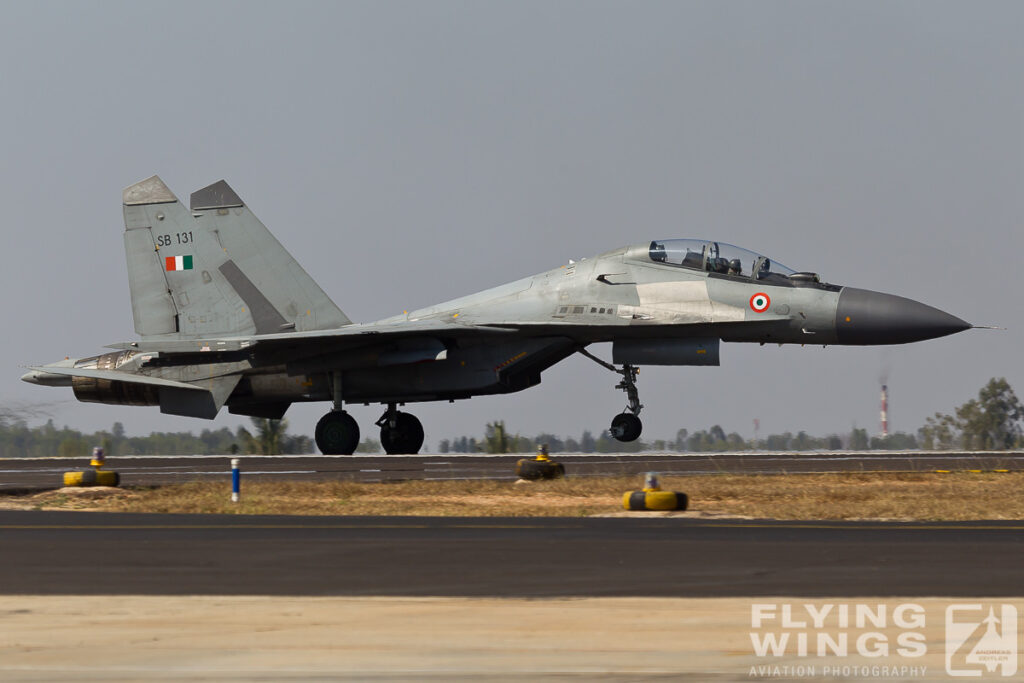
column 885, row 411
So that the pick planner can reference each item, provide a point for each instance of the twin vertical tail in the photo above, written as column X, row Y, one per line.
column 213, row 269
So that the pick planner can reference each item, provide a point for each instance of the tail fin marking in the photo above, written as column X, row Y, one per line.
column 152, row 307
column 191, row 302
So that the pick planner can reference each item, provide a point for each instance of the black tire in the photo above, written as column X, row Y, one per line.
column 626, row 427
column 534, row 470
column 406, row 438
column 337, row 433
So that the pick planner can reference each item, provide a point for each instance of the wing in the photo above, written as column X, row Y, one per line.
column 114, row 376
column 348, row 337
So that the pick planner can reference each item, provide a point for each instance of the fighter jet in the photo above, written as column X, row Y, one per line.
column 226, row 317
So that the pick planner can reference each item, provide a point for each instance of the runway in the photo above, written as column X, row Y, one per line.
column 45, row 473
column 67, row 553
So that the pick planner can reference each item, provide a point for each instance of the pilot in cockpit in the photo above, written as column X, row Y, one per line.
column 717, row 264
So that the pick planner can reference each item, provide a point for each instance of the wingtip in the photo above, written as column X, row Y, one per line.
column 152, row 190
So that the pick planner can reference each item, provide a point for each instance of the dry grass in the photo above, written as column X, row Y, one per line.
column 819, row 496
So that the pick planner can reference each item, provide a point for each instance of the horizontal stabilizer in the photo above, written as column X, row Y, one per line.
column 115, row 376
column 203, row 398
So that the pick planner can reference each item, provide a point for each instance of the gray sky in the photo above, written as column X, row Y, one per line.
column 409, row 153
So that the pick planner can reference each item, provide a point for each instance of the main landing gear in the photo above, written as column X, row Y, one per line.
column 626, row 426
column 337, row 433
column 400, row 433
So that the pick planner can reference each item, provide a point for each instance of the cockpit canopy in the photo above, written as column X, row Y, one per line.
column 717, row 257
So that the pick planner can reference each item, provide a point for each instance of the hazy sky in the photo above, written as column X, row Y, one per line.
column 409, row 153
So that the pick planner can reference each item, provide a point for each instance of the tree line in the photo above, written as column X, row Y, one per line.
column 992, row 421
column 496, row 439
column 18, row 440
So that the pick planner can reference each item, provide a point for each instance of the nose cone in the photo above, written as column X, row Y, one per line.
column 864, row 317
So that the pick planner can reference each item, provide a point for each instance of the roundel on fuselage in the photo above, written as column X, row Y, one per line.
column 760, row 302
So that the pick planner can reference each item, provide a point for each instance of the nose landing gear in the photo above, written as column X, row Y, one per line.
column 626, row 426
column 400, row 433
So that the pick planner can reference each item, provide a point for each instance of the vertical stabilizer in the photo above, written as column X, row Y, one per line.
column 182, row 283
column 258, row 257
column 213, row 271
column 152, row 305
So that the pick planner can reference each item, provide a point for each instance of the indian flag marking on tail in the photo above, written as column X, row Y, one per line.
column 179, row 262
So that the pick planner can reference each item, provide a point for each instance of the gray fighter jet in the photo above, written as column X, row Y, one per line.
column 226, row 316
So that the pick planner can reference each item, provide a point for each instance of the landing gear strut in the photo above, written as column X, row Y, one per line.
column 400, row 433
column 626, row 426
column 337, row 432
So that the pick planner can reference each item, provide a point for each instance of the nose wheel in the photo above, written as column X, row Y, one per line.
column 400, row 433
column 626, row 426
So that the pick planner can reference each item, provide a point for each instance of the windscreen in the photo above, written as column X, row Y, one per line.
column 716, row 257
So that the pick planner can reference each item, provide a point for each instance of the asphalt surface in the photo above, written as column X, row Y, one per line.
column 26, row 474
column 62, row 553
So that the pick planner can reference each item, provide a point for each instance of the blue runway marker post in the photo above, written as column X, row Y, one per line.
column 236, row 480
